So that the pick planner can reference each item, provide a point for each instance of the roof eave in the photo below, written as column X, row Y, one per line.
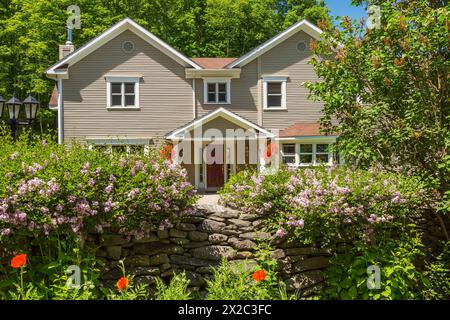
column 198, row 74
column 303, row 25
column 178, row 134
column 112, row 32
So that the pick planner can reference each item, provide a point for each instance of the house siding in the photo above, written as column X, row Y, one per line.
column 244, row 94
column 285, row 60
column 165, row 94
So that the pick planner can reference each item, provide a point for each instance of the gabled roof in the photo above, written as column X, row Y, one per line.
column 213, row 63
column 219, row 112
column 126, row 24
column 303, row 25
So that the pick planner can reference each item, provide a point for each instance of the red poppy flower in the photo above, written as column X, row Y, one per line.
column 19, row 261
column 259, row 275
column 122, row 284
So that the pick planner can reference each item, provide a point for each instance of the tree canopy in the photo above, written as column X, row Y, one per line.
column 31, row 30
column 386, row 89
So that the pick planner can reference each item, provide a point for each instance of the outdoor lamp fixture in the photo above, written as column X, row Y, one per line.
column 31, row 107
column 2, row 105
column 13, row 106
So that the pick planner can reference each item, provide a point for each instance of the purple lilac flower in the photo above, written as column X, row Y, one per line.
column 396, row 198
column 108, row 189
column 280, row 233
column 296, row 223
column 91, row 182
column 372, row 218
column 132, row 194
column 165, row 225
column 5, row 232
column 44, row 210
column 85, row 168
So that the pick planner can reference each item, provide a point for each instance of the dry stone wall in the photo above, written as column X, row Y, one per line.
column 201, row 242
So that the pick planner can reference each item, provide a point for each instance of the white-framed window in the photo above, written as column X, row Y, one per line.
column 307, row 153
column 322, row 153
column 288, row 153
column 217, row 91
column 274, row 93
column 122, row 92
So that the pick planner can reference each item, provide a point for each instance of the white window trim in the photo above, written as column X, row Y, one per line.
column 313, row 153
column 283, row 81
column 122, row 79
column 295, row 154
column 206, row 81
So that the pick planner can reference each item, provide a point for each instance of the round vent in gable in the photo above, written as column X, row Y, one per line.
column 301, row 46
column 128, row 46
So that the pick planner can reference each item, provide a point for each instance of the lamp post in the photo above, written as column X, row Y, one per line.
column 2, row 105
column 31, row 106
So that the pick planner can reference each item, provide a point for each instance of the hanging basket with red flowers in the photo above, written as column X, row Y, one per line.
column 166, row 152
column 271, row 150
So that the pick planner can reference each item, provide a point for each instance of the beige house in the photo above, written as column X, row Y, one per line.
column 128, row 87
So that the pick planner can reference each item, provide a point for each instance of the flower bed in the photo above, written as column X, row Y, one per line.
column 49, row 191
column 327, row 205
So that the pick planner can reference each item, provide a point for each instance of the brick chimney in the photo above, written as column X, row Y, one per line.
column 68, row 48
column 64, row 50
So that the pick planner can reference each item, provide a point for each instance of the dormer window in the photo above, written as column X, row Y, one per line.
column 216, row 91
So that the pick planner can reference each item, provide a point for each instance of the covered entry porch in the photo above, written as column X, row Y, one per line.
column 217, row 145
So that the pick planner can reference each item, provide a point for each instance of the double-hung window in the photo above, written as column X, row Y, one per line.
column 306, row 154
column 322, row 154
column 274, row 91
column 288, row 153
column 122, row 92
column 217, row 91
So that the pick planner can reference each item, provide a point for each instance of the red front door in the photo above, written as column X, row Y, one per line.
column 214, row 171
column 214, row 175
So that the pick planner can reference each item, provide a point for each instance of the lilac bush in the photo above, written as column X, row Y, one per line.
column 329, row 205
column 48, row 190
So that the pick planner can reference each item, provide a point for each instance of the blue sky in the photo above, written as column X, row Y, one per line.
column 344, row 8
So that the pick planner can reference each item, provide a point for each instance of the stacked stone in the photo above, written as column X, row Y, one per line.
column 201, row 242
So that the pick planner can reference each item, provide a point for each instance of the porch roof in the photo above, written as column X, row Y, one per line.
column 179, row 133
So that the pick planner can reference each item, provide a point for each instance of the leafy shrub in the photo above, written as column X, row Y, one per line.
column 175, row 290
column 347, row 277
column 328, row 205
column 437, row 275
column 241, row 281
column 50, row 192
column 53, row 198
column 234, row 282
